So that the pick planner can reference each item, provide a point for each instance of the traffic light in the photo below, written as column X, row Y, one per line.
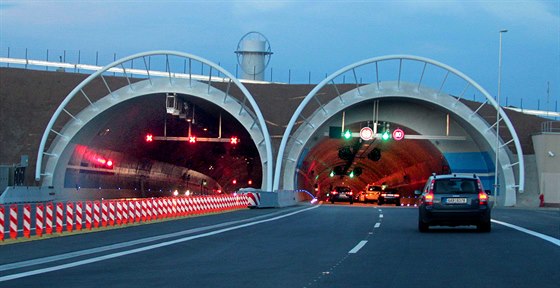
column 347, row 134
column 149, row 138
column 192, row 139
column 386, row 135
column 351, row 175
column 331, row 174
column 233, row 140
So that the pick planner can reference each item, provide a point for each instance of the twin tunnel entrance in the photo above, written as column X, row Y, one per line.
column 111, row 116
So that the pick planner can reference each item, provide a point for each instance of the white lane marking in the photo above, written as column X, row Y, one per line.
column 358, row 247
column 530, row 232
column 380, row 215
column 145, row 248
column 377, row 225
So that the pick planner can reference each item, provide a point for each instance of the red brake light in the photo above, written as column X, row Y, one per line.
column 482, row 198
column 429, row 198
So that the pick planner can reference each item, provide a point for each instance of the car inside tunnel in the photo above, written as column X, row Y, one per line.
column 354, row 162
column 151, row 154
column 433, row 141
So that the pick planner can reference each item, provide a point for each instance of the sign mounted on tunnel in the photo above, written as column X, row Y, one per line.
column 398, row 134
column 366, row 133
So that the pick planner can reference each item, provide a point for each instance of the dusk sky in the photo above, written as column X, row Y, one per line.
column 319, row 37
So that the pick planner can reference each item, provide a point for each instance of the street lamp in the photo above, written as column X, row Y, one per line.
column 498, row 117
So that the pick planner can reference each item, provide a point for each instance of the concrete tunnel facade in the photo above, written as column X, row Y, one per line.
column 402, row 103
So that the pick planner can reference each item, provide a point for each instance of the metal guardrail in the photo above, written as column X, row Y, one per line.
column 550, row 127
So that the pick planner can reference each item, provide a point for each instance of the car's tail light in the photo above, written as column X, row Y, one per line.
column 429, row 197
column 397, row 195
column 383, row 195
column 349, row 193
column 482, row 198
column 334, row 192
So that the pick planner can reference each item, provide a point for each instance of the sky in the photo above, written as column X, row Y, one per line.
column 308, row 37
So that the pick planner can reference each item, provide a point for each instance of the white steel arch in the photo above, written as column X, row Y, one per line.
column 250, row 116
column 359, row 91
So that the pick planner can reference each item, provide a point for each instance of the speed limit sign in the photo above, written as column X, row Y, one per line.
column 366, row 133
column 398, row 134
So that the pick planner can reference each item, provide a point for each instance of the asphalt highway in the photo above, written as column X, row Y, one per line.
column 337, row 245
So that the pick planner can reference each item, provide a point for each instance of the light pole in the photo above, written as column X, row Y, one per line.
column 496, row 176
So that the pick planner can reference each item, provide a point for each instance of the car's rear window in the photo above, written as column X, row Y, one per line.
column 374, row 188
column 343, row 189
column 455, row 186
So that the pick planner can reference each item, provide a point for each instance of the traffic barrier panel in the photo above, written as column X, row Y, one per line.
column 39, row 218
column 96, row 214
column 89, row 214
column 69, row 216
column 13, row 221
column 151, row 211
column 138, row 211
column 159, row 202
column 2, row 211
column 112, row 213
column 49, row 218
column 79, row 215
column 119, row 212
column 144, row 204
column 59, row 217
column 26, row 220
column 104, row 213
column 131, row 211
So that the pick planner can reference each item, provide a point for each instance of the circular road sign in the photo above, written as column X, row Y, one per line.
column 398, row 134
column 366, row 133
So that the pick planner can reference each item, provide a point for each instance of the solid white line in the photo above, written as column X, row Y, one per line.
column 358, row 247
column 145, row 248
column 536, row 234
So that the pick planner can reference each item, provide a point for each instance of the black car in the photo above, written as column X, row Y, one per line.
column 389, row 196
column 453, row 200
column 341, row 193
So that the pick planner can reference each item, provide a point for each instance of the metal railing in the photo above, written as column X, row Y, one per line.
column 550, row 127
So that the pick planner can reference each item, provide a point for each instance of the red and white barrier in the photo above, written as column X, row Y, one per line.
column 112, row 213
column 69, row 216
column 79, row 215
column 104, row 213
column 2, row 211
column 138, row 213
column 13, row 221
column 96, row 214
column 49, row 218
column 119, row 213
column 89, row 214
column 26, row 220
column 39, row 216
column 131, row 211
column 59, row 217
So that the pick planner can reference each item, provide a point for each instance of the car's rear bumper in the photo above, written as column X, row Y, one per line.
column 454, row 217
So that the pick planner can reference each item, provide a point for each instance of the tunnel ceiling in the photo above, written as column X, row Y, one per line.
column 124, row 127
column 402, row 164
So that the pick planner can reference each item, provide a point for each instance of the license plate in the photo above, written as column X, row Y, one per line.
column 456, row 201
